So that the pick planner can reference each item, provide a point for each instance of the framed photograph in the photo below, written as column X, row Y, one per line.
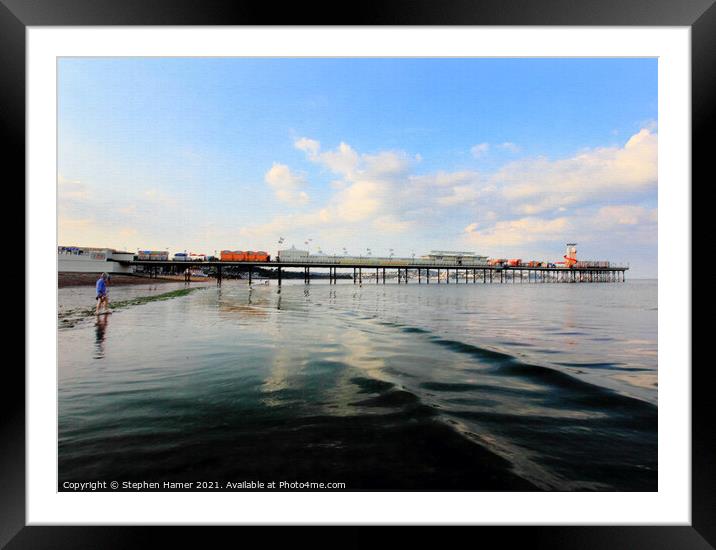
column 417, row 267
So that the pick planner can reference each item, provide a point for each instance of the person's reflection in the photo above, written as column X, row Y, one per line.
column 100, row 334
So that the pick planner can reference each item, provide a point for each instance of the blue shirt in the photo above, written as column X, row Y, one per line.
column 101, row 287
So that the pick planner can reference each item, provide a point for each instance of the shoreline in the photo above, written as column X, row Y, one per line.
column 69, row 279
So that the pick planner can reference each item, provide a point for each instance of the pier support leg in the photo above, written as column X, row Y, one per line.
column 279, row 276
column 438, row 276
column 218, row 276
column 383, row 275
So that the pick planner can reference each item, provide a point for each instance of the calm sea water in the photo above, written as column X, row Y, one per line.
column 395, row 387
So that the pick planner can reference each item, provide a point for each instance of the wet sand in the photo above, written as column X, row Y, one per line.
column 65, row 279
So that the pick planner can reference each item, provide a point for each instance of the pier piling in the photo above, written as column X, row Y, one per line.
column 600, row 273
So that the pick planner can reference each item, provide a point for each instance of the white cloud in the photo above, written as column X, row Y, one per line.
column 522, row 231
column 461, row 194
column 343, row 160
column 609, row 216
column 371, row 187
column 359, row 201
column 480, row 149
column 391, row 224
column 621, row 224
column 112, row 216
column 509, row 146
column 286, row 184
column 537, row 185
column 71, row 189
column 582, row 197
column 445, row 179
column 310, row 146
column 386, row 163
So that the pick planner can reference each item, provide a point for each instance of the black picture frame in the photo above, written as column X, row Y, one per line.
column 699, row 15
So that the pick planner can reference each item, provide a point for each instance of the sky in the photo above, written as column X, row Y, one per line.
column 508, row 158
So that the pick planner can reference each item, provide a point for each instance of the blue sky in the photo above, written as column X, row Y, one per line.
column 506, row 157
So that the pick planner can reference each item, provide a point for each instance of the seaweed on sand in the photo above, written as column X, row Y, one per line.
column 70, row 317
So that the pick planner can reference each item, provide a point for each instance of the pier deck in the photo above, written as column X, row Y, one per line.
column 421, row 272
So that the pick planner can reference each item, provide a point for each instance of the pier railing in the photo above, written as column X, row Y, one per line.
column 433, row 270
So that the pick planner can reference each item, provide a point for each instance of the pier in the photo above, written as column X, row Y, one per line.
column 420, row 273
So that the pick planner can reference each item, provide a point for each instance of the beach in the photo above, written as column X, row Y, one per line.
column 66, row 279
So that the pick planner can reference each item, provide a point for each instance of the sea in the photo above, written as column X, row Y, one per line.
column 371, row 387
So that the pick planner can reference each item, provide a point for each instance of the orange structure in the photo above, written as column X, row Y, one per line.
column 259, row 256
column 244, row 256
column 231, row 255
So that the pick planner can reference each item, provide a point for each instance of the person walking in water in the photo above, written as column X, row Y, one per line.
column 102, row 298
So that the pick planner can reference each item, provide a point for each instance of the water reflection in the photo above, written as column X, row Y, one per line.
column 101, row 324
